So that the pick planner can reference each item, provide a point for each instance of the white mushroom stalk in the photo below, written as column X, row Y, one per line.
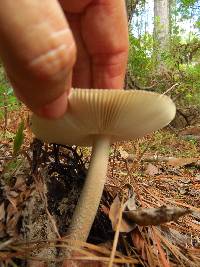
column 109, row 115
column 90, row 197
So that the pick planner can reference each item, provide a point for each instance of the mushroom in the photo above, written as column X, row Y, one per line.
column 99, row 117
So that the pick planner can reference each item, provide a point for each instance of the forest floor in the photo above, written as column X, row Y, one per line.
column 40, row 184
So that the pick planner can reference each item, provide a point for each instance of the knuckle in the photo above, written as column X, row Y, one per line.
column 51, row 63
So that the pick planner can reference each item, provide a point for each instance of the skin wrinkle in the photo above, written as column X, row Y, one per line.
column 60, row 33
column 49, row 55
column 58, row 58
column 114, row 58
column 50, row 62
column 112, row 71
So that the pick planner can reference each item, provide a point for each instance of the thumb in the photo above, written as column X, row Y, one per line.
column 38, row 52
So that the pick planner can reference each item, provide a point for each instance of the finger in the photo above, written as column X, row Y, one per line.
column 82, row 77
column 105, row 33
column 38, row 52
column 75, row 6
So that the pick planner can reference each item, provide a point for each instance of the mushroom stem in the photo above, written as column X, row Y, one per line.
column 90, row 197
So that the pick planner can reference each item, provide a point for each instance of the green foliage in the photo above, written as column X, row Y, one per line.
column 3, row 81
column 140, row 61
column 190, row 86
column 186, row 7
column 7, row 98
column 181, row 62
column 10, row 169
column 168, row 144
column 19, row 138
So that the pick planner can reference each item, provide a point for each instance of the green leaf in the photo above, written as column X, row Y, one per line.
column 19, row 138
column 10, row 91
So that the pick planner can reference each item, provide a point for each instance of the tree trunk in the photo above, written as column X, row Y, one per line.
column 130, row 7
column 172, row 16
column 161, row 30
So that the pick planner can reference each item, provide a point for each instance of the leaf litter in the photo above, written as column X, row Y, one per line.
column 160, row 225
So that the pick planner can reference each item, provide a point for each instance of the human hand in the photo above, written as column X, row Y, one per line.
column 42, row 41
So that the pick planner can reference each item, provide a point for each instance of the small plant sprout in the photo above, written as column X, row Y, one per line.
column 98, row 118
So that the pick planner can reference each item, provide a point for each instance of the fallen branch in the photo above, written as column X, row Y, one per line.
column 170, row 89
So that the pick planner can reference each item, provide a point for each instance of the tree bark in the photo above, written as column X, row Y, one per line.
column 161, row 30
column 130, row 7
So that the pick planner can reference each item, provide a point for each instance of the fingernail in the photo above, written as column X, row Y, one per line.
column 55, row 109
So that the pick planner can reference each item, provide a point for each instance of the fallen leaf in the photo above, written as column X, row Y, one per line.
column 142, row 216
column 180, row 162
column 2, row 212
column 12, row 225
column 13, row 194
column 20, row 183
column 196, row 215
column 197, row 178
column 152, row 170
column 194, row 192
column 13, row 201
column 125, row 226
column 139, row 243
column 114, row 210
column 154, row 216
column 2, row 230
column 105, row 209
column 11, row 212
column 130, row 204
column 191, row 131
column 183, row 190
column 185, row 180
column 123, row 153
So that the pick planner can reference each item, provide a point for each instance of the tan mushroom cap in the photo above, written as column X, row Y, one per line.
column 118, row 114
